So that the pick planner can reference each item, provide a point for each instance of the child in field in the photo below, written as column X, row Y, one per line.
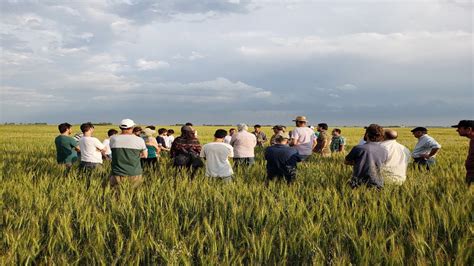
column 338, row 142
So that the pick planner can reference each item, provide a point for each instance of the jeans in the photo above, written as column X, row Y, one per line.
column 248, row 161
column 424, row 163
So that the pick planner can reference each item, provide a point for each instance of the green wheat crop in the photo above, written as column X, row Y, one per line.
column 49, row 218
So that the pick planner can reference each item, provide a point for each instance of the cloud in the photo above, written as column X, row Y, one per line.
column 401, row 47
column 144, row 64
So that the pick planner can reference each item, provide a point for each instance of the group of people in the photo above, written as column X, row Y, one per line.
column 378, row 159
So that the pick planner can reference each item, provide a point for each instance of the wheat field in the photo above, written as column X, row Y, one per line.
column 49, row 218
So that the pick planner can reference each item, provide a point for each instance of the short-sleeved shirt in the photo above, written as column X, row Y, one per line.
column 126, row 151
column 337, row 142
column 244, row 143
column 323, row 143
column 65, row 149
column 395, row 168
column 306, row 138
column 470, row 160
column 280, row 158
column 106, row 143
column 90, row 149
column 161, row 141
column 217, row 159
column 261, row 138
column 424, row 146
column 368, row 162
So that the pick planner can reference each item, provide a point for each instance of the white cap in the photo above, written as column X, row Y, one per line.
column 127, row 123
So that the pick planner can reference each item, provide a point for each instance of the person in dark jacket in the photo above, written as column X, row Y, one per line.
column 281, row 159
column 185, row 151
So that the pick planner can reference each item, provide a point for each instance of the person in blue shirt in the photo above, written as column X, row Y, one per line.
column 281, row 159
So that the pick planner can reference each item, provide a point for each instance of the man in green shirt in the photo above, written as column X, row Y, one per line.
column 127, row 149
column 66, row 146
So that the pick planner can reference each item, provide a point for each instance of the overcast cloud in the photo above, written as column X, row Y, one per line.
column 210, row 61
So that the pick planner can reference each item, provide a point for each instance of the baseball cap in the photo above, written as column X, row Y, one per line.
column 127, row 123
column 282, row 135
column 465, row 123
column 419, row 129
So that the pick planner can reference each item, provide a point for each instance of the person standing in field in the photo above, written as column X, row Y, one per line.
column 424, row 154
column 161, row 139
column 189, row 124
column 106, row 142
column 323, row 141
column 260, row 135
column 244, row 143
column 170, row 139
column 395, row 168
column 217, row 155
column 368, row 159
column 127, row 149
column 228, row 138
column 185, row 151
column 66, row 146
column 92, row 149
column 303, row 138
column 277, row 129
column 465, row 128
column 281, row 159
column 137, row 131
column 152, row 147
column 338, row 142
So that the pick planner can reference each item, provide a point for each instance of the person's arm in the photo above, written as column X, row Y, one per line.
column 100, row 147
column 75, row 145
column 203, row 153
column 350, row 158
column 431, row 154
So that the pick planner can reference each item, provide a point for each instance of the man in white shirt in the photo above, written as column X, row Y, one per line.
column 244, row 143
column 217, row 155
column 91, row 148
column 394, row 170
column 228, row 138
column 426, row 148
column 303, row 138
column 106, row 142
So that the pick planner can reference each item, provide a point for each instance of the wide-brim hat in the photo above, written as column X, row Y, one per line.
column 300, row 118
column 149, row 132
column 465, row 123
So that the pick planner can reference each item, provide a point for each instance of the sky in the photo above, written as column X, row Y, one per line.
column 392, row 62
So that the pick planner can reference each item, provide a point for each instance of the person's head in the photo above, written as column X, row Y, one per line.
column 87, row 128
column 162, row 131
column 300, row 121
column 465, row 128
column 390, row 134
column 231, row 131
column 151, row 127
column 65, row 128
column 419, row 131
column 112, row 132
column 187, row 132
column 189, row 124
column 220, row 134
column 374, row 133
column 336, row 132
column 170, row 132
column 277, row 129
column 322, row 127
column 257, row 128
column 282, row 138
column 127, row 126
column 242, row 127
column 137, row 131
column 148, row 132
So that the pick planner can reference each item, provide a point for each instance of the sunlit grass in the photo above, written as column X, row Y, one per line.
column 49, row 218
